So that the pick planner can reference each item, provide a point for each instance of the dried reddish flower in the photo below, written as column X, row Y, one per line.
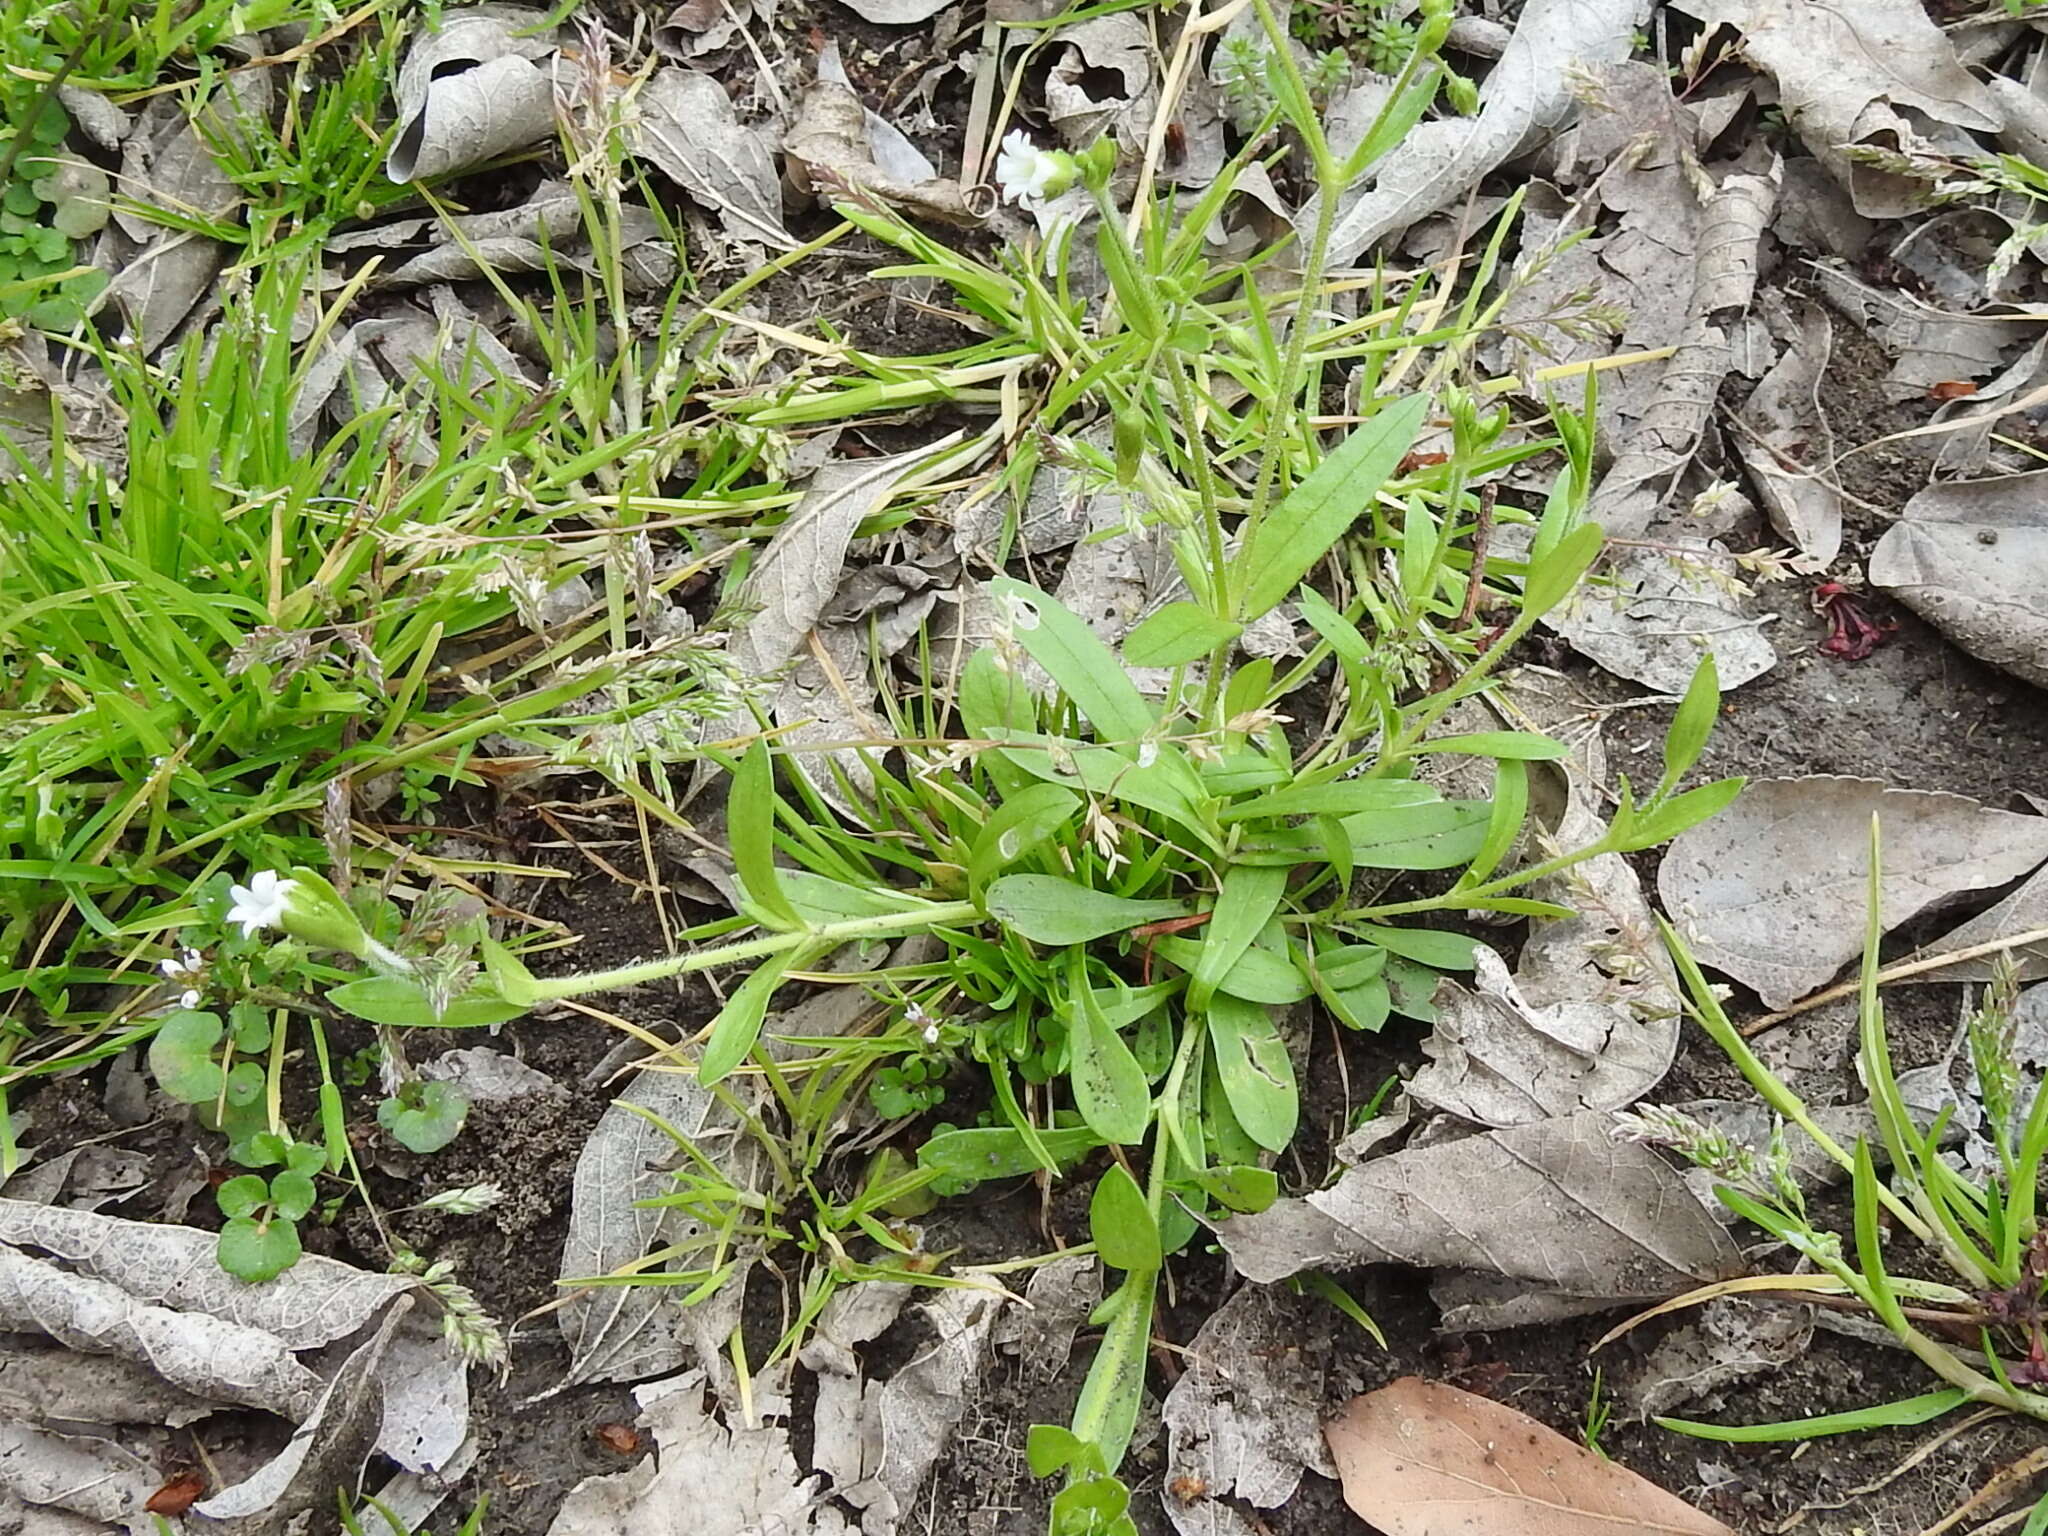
column 1852, row 633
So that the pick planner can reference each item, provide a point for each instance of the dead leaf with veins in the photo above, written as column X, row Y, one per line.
column 1660, row 615
column 1115, row 47
column 1531, row 91
column 704, row 1477
column 1971, row 557
column 830, row 151
column 1420, row 1458
column 1772, row 891
column 688, row 129
column 1497, row 1060
column 479, row 87
column 1559, row 1203
column 1848, row 75
column 1242, row 1420
column 1784, row 440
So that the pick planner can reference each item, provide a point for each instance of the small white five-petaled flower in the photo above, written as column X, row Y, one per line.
column 187, row 962
column 260, row 903
column 1024, row 171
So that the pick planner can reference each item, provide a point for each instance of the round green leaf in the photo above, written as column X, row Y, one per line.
column 245, row 1084
column 425, row 1117
column 181, row 1060
column 20, row 198
column 293, row 1194
column 251, row 1027
column 55, row 315
column 1125, row 1234
column 257, row 1251
column 51, row 126
column 242, row 1194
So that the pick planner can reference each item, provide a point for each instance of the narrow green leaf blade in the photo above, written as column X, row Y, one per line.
column 1048, row 910
column 1523, row 746
column 1086, row 670
column 1109, row 1086
column 1258, row 1079
column 1313, row 516
column 1249, row 896
column 1904, row 1412
column 738, row 1024
column 750, row 824
column 390, row 1000
column 1177, row 633
column 1342, row 797
column 1691, row 724
column 1121, row 1223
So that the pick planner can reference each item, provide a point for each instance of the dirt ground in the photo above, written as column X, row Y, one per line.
column 1917, row 713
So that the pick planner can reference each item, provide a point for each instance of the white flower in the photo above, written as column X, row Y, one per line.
column 260, row 903
column 931, row 1034
column 1026, row 173
column 188, row 962
column 189, row 998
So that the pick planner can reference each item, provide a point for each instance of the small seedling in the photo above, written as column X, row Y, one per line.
column 261, row 1237
column 423, row 1116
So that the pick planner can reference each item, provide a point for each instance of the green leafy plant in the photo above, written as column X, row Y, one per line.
column 1984, row 1230
column 424, row 1116
column 261, row 1237
column 48, row 200
column 1599, row 1408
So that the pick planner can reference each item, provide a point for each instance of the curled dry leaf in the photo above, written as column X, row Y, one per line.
column 1559, row 1203
column 2024, row 911
column 854, row 1315
column 162, row 273
column 84, row 1475
column 1664, row 615
column 1843, row 74
column 1117, row 47
column 828, row 151
column 1971, row 557
column 206, row 1356
column 897, row 13
column 1929, row 345
column 326, row 1452
column 1529, row 92
column 625, row 1332
column 1730, row 1340
column 477, row 88
column 688, row 129
column 1498, row 1060
column 700, row 27
column 1785, row 443
column 911, row 1420
column 1419, row 1458
column 1772, row 890
column 1057, row 1303
column 38, row 1382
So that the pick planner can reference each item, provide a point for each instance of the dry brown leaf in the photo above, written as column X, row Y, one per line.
column 475, row 88
column 1773, row 890
column 1970, row 558
column 1420, row 1458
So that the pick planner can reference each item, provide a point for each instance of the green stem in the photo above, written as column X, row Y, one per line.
column 1279, row 422
column 930, row 915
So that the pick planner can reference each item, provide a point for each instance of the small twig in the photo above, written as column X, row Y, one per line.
column 1893, row 973
column 1482, row 532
